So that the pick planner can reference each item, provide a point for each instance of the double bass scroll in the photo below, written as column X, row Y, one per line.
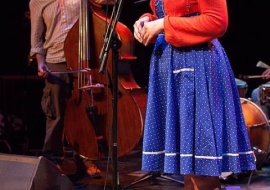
column 89, row 110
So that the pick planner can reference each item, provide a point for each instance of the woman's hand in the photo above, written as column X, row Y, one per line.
column 146, row 32
column 138, row 26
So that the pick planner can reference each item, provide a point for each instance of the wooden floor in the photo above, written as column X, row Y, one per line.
column 131, row 177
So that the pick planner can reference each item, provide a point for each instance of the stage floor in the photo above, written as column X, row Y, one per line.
column 128, row 170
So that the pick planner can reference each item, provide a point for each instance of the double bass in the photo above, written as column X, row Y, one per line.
column 89, row 113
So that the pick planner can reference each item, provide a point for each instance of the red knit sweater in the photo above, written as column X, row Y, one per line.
column 185, row 31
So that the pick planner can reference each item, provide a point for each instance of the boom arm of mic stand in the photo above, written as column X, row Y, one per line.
column 108, row 29
column 109, row 35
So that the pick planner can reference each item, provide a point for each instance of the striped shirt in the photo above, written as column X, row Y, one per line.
column 51, row 20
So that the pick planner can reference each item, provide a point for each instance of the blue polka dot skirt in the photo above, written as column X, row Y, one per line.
column 194, row 121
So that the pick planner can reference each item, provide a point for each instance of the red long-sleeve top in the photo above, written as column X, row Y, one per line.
column 186, row 31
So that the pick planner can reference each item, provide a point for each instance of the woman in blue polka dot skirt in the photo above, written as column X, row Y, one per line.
column 194, row 122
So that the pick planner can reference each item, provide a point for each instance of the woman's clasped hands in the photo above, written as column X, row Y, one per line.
column 146, row 31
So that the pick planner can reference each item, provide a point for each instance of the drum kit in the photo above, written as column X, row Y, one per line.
column 256, row 120
column 258, row 126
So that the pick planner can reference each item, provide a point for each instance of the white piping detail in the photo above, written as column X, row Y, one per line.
column 200, row 157
column 185, row 69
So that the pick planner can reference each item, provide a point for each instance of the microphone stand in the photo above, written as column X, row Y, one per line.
column 111, row 41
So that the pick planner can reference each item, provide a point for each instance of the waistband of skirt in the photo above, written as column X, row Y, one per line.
column 205, row 45
column 208, row 44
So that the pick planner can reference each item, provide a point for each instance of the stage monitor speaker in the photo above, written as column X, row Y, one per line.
column 18, row 172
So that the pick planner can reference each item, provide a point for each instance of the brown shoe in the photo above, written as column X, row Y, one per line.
column 93, row 171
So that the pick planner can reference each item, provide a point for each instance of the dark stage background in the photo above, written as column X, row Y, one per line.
column 246, row 42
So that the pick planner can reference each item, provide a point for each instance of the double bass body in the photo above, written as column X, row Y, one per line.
column 89, row 116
